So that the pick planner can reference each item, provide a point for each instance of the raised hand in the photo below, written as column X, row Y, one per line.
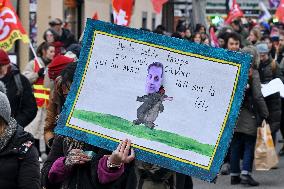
column 121, row 154
column 76, row 157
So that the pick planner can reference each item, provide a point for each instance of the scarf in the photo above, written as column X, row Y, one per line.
column 8, row 133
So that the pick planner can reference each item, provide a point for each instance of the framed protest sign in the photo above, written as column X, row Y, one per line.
column 177, row 101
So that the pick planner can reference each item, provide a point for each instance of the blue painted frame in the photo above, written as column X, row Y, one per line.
column 241, row 59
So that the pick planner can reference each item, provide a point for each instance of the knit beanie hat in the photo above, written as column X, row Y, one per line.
column 4, row 58
column 57, row 65
column 254, row 53
column 5, row 109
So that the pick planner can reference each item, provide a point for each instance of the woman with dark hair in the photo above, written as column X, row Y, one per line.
column 50, row 36
column 196, row 38
column 187, row 34
column 206, row 40
column 199, row 28
column 272, row 50
column 18, row 156
column 35, row 72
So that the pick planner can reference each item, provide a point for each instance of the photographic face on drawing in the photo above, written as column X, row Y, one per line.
column 154, row 78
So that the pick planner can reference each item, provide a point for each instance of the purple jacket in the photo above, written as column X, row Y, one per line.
column 59, row 172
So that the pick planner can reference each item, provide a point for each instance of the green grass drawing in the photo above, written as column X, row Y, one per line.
column 141, row 131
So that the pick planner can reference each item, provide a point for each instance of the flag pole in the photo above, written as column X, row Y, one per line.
column 34, row 53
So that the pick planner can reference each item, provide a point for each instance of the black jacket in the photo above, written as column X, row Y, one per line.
column 273, row 101
column 253, row 109
column 67, row 38
column 85, row 176
column 19, row 164
column 23, row 105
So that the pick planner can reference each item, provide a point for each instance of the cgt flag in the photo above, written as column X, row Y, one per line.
column 234, row 13
column 279, row 14
column 158, row 5
column 11, row 28
column 122, row 11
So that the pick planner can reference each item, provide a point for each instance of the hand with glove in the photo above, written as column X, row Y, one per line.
column 76, row 157
column 41, row 72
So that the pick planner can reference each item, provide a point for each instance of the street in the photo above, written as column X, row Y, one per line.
column 272, row 179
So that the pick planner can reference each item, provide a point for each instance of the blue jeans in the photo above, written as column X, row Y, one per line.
column 242, row 146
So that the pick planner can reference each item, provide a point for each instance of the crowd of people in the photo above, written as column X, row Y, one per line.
column 31, row 101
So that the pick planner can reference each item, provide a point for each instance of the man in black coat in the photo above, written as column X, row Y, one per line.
column 19, row 91
column 65, row 35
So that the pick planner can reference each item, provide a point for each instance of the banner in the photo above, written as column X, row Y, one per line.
column 177, row 101
column 235, row 12
column 264, row 13
column 158, row 5
column 122, row 11
column 274, row 3
column 279, row 14
column 11, row 28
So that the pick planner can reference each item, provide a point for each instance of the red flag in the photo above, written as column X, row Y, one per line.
column 280, row 12
column 122, row 11
column 96, row 16
column 213, row 37
column 234, row 13
column 11, row 28
column 158, row 5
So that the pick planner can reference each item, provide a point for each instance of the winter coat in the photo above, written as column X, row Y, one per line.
column 84, row 176
column 273, row 101
column 253, row 109
column 56, row 101
column 29, row 70
column 280, row 55
column 23, row 105
column 36, row 127
column 151, row 176
column 243, row 34
column 20, row 168
column 67, row 38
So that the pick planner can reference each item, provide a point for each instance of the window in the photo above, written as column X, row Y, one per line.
column 153, row 21
column 144, row 20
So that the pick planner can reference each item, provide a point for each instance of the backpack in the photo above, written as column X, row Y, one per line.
column 19, row 84
column 20, row 88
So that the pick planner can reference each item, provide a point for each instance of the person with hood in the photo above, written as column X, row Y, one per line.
column 19, row 91
column 253, row 111
column 20, row 168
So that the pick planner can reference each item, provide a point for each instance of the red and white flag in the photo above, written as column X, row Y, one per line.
column 95, row 16
column 280, row 12
column 158, row 5
column 11, row 28
column 213, row 37
column 234, row 13
column 122, row 11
